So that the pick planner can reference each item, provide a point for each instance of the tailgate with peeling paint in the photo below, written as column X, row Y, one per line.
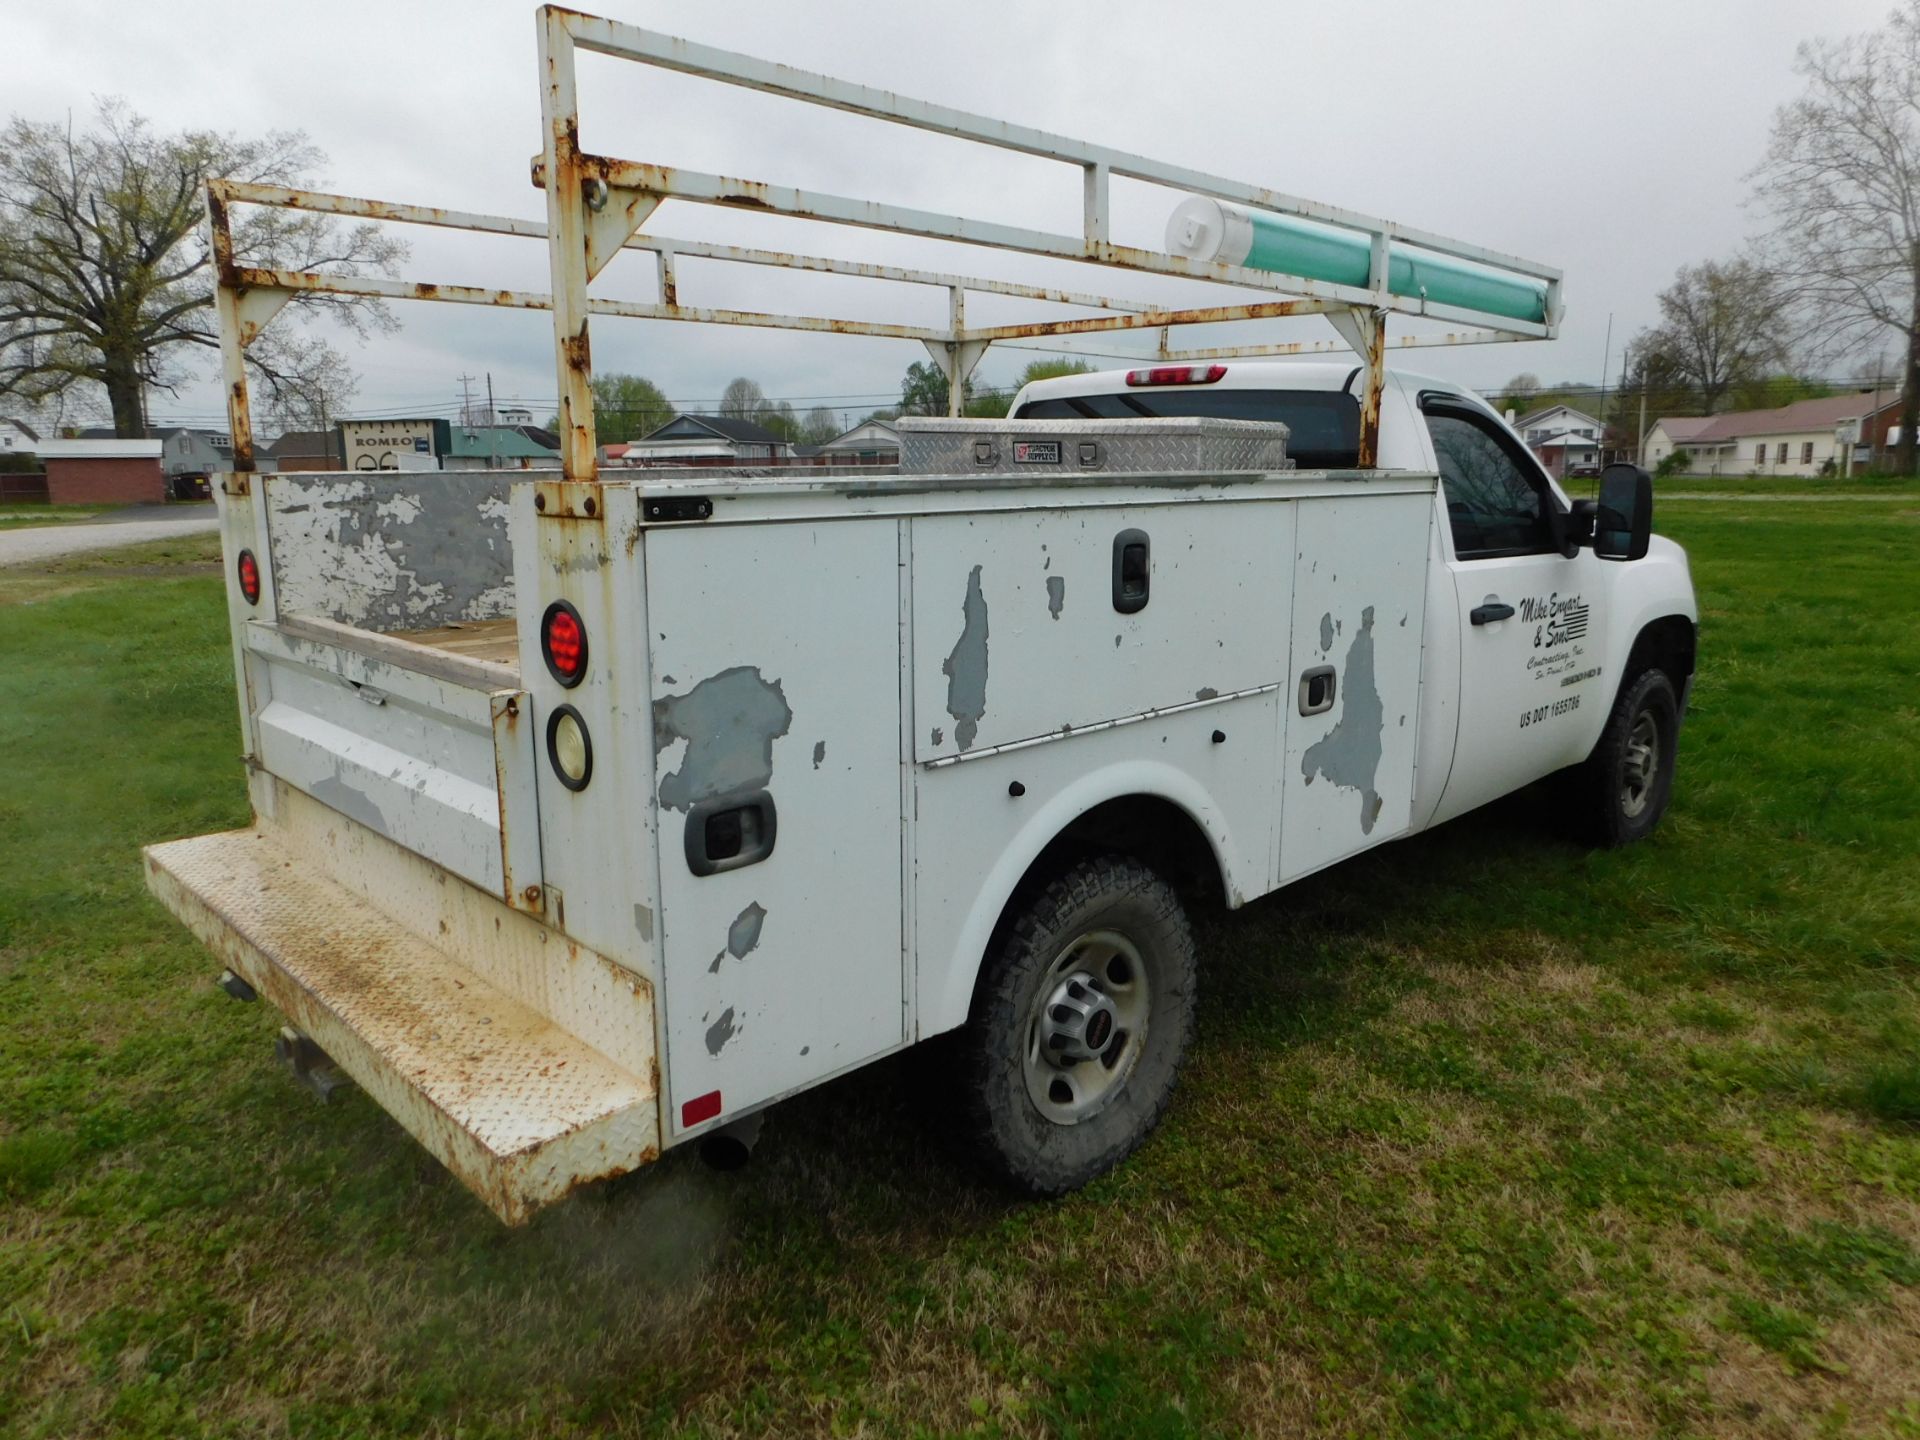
column 435, row 755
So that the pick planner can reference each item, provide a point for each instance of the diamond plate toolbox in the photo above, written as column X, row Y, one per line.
column 1043, row 448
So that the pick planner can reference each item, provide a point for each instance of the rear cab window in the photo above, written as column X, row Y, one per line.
column 1323, row 425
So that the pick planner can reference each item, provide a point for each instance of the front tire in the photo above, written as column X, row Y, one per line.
column 1079, row 1027
column 1623, row 789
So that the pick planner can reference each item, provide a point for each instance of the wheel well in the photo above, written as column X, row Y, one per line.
column 1664, row 644
column 1150, row 828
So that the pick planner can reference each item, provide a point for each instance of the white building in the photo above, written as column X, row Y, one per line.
column 1808, row 438
column 871, row 442
column 708, row 440
column 1562, row 438
column 16, row 437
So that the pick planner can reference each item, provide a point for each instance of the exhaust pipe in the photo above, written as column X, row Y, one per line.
column 731, row 1146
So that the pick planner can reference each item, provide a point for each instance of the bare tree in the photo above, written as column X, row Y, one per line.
column 1842, row 181
column 314, row 396
column 106, row 266
column 743, row 399
column 820, row 426
column 1722, row 325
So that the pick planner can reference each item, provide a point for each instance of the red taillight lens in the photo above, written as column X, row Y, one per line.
column 248, row 569
column 1177, row 375
column 563, row 641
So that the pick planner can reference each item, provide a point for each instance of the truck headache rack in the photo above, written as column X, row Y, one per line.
column 598, row 205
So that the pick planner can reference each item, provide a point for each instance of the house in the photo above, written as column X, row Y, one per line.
column 191, row 458
column 305, row 450
column 496, row 447
column 1807, row 438
column 1671, row 433
column 1562, row 439
column 17, row 437
column 708, row 440
column 871, row 442
column 111, row 472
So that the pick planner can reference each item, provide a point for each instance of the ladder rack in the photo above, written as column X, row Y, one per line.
column 598, row 205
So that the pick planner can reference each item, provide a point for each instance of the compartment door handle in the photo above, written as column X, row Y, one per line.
column 730, row 833
column 1132, row 571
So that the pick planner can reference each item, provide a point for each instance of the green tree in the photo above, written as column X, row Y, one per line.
column 923, row 390
column 1769, row 392
column 1050, row 370
column 106, row 264
column 1722, row 325
column 780, row 419
column 626, row 408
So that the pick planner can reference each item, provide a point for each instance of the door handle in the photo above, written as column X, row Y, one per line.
column 1489, row 612
column 730, row 833
column 1132, row 571
column 1316, row 690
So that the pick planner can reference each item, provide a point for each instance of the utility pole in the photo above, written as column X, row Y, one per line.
column 466, row 399
column 493, row 433
column 1606, row 359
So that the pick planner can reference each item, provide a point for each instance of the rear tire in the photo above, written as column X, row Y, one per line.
column 1080, row 1025
column 1622, row 790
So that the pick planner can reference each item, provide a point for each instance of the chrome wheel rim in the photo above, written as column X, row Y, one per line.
column 1640, row 766
column 1087, row 1026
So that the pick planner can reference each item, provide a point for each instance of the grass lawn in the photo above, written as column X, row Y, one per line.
column 22, row 517
column 1485, row 1135
column 1885, row 486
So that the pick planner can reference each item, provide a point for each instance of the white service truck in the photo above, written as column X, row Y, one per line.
column 594, row 817
column 595, row 811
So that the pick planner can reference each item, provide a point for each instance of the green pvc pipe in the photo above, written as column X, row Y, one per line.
column 1208, row 230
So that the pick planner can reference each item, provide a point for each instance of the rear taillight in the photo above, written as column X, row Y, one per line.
column 1177, row 375
column 563, row 642
column 248, row 570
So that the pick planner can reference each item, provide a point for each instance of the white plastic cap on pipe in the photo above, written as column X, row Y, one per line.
column 1207, row 230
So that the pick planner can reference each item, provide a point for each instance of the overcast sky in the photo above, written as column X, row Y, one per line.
column 1611, row 140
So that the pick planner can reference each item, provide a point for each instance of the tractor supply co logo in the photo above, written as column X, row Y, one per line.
column 1036, row 452
column 1559, row 634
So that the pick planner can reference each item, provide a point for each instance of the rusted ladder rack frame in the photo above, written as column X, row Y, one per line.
column 582, row 236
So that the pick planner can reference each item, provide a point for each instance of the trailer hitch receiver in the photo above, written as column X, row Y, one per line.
column 310, row 1065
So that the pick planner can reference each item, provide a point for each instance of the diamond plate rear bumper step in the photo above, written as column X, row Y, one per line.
column 520, row 1109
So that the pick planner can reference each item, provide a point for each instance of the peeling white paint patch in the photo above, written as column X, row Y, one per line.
column 404, row 509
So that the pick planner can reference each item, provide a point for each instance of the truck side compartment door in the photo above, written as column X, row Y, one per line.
column 775, row 660
column 1530, row 632
column 1351, row 704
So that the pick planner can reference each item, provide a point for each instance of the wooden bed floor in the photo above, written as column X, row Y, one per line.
column 497, row 640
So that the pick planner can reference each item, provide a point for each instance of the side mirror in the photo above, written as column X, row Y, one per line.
column 1623, row 519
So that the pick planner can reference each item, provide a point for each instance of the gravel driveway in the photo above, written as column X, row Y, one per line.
column 49, row 542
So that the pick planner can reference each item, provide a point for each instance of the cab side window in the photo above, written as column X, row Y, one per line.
column 1494, row 502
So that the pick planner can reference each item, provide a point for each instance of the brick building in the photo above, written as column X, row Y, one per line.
column 103, row 472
